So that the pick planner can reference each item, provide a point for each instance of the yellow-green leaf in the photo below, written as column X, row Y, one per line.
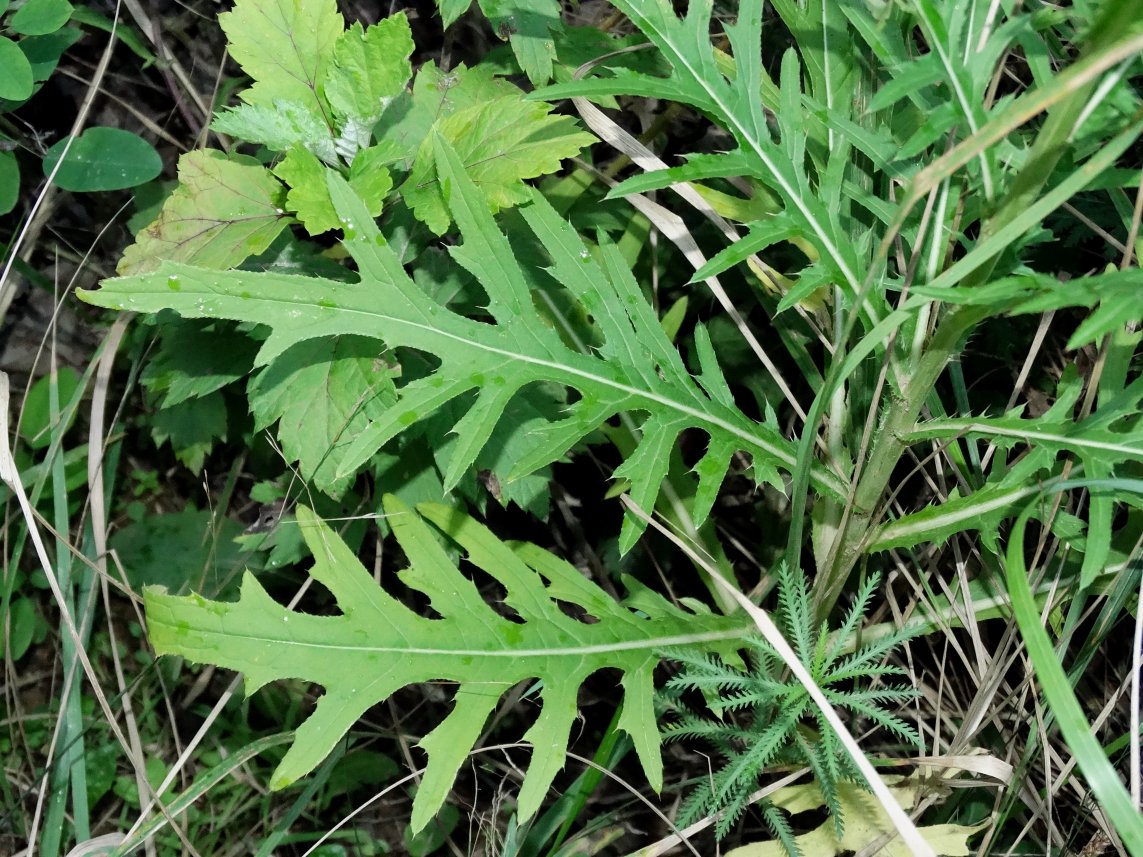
column 370, row 67
column 224, row 210
column 308, row 196
column 309, row 192
column 436, row 95
column 369, row 176
column 285, row 46
column 500, row 143
column 865, row 820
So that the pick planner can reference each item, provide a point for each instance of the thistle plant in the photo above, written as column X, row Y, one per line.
column 425, row 322
column 770, row 719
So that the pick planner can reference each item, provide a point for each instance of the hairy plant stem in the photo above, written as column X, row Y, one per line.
column 888, row 447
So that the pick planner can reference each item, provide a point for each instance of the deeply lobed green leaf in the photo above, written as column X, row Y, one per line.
column 377, row 645
column 636, row 368
column 696, row 79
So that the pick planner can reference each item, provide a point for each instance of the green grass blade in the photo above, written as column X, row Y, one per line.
column 203, row 784
column 1076, row 729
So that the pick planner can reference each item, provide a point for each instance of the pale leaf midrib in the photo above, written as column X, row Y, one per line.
column 648, row 643
column 700, row 417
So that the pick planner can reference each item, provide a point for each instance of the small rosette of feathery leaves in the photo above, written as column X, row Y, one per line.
column 769, row 718
column 377, row 645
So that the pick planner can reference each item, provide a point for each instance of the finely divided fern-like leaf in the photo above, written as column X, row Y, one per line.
column 776, row 712
column 377, row 645
column 635, row 369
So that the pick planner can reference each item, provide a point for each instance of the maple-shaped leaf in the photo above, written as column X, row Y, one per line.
column 285, row 46
column 369, row 175
column 635, row 368
column 377, row 645
column 191, row 428
column 225, row 209
column 309, row 198
column 370, row 68
column 323, row 88
column 180, row 369
column 435, row 96
column 323, row 393
column 500, row 143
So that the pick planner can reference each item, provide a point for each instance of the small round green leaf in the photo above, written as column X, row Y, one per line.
column 22, row 625
column 104, row 159
column 39, row 17
column 9, row 181
column 15, row 72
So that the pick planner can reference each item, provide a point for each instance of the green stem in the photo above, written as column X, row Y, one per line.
column 888, row 447
column 1051, row 142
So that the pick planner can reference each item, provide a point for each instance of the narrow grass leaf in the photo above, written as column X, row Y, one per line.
column 1076, row 729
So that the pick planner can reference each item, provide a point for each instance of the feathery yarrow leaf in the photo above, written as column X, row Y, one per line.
column 782, row 725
